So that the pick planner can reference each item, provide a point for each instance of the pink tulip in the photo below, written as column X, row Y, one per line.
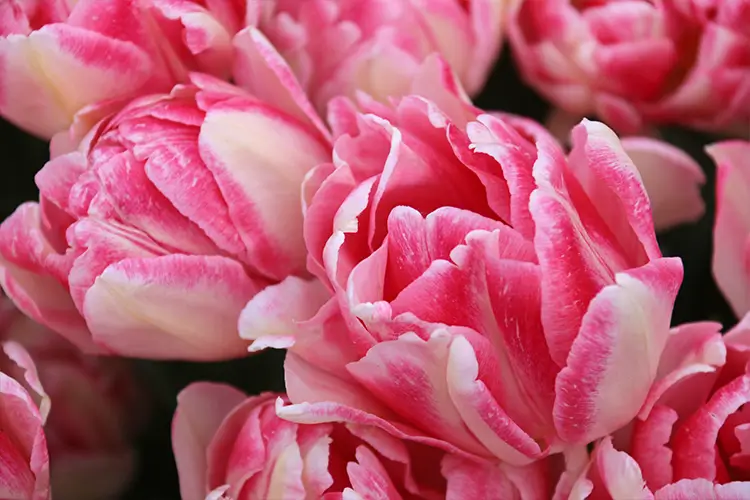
column 691, row 440
column 335, row 47
column 731, row 260
column 230, row 446
column 150, row 239
column 491, row 296
column 94, row 414
column 24, row 461
column 639, row 62
column 62, row 57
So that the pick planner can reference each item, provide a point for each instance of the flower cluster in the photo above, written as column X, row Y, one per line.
column 472, row 306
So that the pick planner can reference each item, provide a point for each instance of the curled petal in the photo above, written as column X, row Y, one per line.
column 174, row 306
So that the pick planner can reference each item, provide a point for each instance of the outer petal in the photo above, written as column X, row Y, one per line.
column 259, row 158
column 170, row 307
column 626, row 324
column 731, row 265
column 672, row 179
column 689, row 489
column 26, row 275
column 201, row 407
column 54, row 72
column 271, row 316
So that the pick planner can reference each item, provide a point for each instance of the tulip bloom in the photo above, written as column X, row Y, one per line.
column 690, row 441
column 227, row 445
column 335, row 47
column 491, row 296
column 150, row 239
column 639, row 62
column 731, row 260
column 62, row 57
column 95, row 409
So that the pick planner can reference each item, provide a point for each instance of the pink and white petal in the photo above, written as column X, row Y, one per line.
column 408, row 375
column 20, row 356
column 732, row 227
column 277, row 309
column 332, row 412
column 620, row 474
column 261, row 178
column 614, row 185
column 170, row 307
column 35, row 286
column 598, row 391
column 649, row 446
column 368, row 477
column 694, row 441
column 201, row 408
column 261, row 70
column 692, row 349
column 25, row 470
column 573, row 477
column 55, row 71
column 481, row 413
column 690, row 489
column 467, row 479
column 672, row 180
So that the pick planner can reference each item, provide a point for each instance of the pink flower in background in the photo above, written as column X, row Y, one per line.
column 150, row 239
column 691, row 440
column 731, row 259
column 236, row 447
column 638, row 62
column 95, row 411
column 62, row 57
column 24, row 460
column 491, row 295
column 341, row 47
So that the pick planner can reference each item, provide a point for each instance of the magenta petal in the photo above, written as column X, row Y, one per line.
column 170, row 307
column 626, row 324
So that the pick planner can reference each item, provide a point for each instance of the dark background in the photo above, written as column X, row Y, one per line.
column 699, row 298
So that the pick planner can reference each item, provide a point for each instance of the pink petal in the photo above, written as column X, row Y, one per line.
column 475, row 480
column 694, row 441
column 598, row 391
column 369, row 478
column 409, row 376
column 620, row 474
column 28, row 276
column 170, row 307
column 261, row 70
column 672, row 180
column 689, row 489
column 201, row 407
column 21, row 357
column 731, row 266
column 276, row 310
column 691, row 349
column 650, row 446
column 57, row 70
column 261, row 178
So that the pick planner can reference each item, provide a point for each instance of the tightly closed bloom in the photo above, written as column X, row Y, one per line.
column 95, row 410
column 691, row 441
column 731, row 260
column 150, row 239
column 638, row 62
column 234, row 447
column 340, row 47
column 491, row 295
column 58, row 57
